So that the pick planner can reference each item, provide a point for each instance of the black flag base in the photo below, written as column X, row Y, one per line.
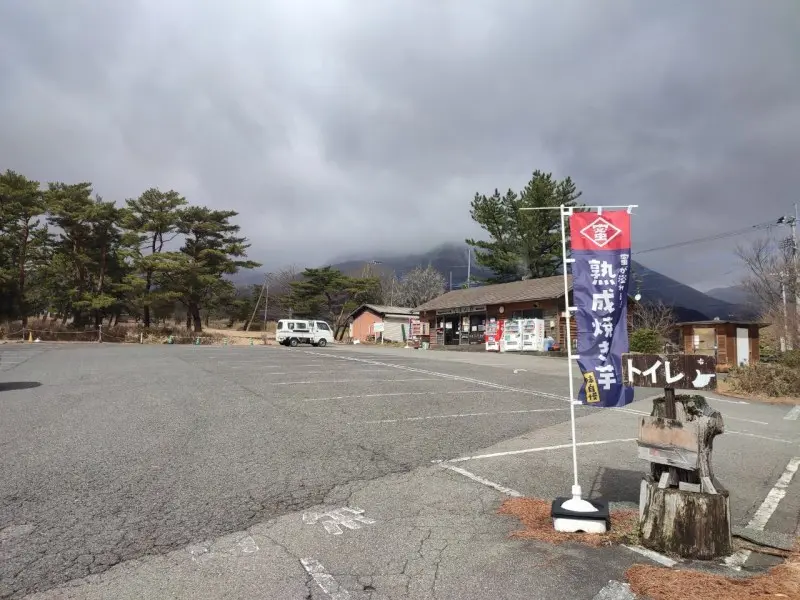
column 574, row 521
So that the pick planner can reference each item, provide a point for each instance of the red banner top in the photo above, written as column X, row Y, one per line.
column 608, row 231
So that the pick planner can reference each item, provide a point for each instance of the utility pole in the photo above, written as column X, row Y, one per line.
column 787, row 344
column 258, row 303
column 266, row 300
column 792, row 223
column 451, row 281
column 469, row 267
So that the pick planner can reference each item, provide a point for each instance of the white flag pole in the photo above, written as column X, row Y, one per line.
column 576, row 504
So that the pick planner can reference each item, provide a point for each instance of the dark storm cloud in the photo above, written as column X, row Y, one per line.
column 346, row 127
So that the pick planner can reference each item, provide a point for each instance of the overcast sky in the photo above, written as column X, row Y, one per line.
column 351, row 126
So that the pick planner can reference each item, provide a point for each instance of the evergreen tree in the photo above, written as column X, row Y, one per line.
column 152, row 220
column 328, row 293
column 212, row 248
column 23, row 240
column 522, row 244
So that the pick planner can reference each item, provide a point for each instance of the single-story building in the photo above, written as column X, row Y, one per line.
column 459, row 317
column 395, row 321
column 732, row 343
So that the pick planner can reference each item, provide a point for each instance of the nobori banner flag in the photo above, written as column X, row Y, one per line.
column 601, row 247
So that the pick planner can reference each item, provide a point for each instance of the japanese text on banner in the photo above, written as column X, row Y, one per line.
column 600, row 277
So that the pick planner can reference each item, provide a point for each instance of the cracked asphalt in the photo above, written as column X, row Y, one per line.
column 185, row 471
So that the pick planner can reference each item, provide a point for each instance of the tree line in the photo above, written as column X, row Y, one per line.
column 67, row 252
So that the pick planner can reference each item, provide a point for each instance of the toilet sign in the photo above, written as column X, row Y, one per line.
column 673, row 371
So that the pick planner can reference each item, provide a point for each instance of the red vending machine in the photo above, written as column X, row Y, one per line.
column 493, row 335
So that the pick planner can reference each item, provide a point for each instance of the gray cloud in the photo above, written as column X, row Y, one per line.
column 370, row 126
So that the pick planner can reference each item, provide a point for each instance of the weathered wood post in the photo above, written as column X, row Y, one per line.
column 683, row 509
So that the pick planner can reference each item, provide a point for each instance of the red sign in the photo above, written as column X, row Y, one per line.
column 608, row 231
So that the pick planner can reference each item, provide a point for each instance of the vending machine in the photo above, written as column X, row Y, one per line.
column 533, row 335
column 528, row 327
column 512, row 337
column 493, row 335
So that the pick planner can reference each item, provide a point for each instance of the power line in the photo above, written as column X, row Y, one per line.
column 709, row 238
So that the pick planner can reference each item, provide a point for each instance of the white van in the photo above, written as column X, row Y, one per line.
column 291, row 332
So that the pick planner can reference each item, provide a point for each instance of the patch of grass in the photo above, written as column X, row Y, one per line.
column 765, row 379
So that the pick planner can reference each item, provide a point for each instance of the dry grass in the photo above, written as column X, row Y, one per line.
column 659, row 583
column 725, row 388
column 534, row 514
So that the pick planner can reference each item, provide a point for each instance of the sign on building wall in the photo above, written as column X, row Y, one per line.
column 601, row 249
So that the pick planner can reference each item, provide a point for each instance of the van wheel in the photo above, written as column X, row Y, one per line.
column 293, row 342
column 322, row 343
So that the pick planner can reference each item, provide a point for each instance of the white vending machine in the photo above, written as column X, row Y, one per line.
column 512, row 336
column 533, row 335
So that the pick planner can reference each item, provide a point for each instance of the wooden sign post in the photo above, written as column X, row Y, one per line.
column 683, row 509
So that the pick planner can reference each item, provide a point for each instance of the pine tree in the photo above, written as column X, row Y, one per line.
column 152, row 219
column 211, row 249
column 522, row 244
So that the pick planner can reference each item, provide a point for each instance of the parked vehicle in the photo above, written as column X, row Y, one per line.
column 292, row 332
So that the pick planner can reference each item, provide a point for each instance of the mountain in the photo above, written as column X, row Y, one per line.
column 688, row 303
column 735, row 294
column 448, row 259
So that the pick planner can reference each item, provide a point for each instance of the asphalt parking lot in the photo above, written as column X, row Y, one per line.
column 238, row 472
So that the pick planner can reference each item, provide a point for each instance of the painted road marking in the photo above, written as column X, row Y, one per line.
column 633, row 411
column 761, row 437
column 335, row 519
column 347, row 381
column 615, row 590
column 540, row 449
column 460, row 416
column 313, row 372
column 488, row 384
column 392, row 394
column 324, row 580
column 654, row 556
column 793, row 414
column 496, row 486
column 766, row 510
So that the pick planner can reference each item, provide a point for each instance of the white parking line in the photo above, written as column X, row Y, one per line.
column 766, row 510
column 460, row 416
column 761, row 437
column 354, row 396
column 654, row 556
column 496, row 486
column 489, row 384
column 324, row 580
column 793, row 414
column 348, row 381
column 540, row 449
column 633, row 411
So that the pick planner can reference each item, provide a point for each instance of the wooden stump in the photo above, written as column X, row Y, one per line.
column 685, row 523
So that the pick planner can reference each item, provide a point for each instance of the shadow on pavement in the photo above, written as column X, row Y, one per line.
column 10, row 386
column 617, row 485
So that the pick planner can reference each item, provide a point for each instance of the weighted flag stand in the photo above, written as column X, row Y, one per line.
column 575, row 514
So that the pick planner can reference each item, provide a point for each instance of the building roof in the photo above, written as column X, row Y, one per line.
column 721, row 322
column 383, row 311
column 528, row 290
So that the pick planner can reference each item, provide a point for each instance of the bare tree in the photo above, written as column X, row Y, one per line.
column 772, row 281
column 420, row 285
column 656, row 316
column 280, row 288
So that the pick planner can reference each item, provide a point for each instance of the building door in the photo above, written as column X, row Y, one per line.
column 742, row 346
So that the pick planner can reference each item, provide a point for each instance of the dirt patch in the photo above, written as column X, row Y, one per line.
column 658, row 583
column 724, row 389
column 534, row 514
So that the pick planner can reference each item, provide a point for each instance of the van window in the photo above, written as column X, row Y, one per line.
column 290, row 325
column 323, row 326
column 281, row 324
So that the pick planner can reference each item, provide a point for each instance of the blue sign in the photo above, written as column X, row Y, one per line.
column 600, row 280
